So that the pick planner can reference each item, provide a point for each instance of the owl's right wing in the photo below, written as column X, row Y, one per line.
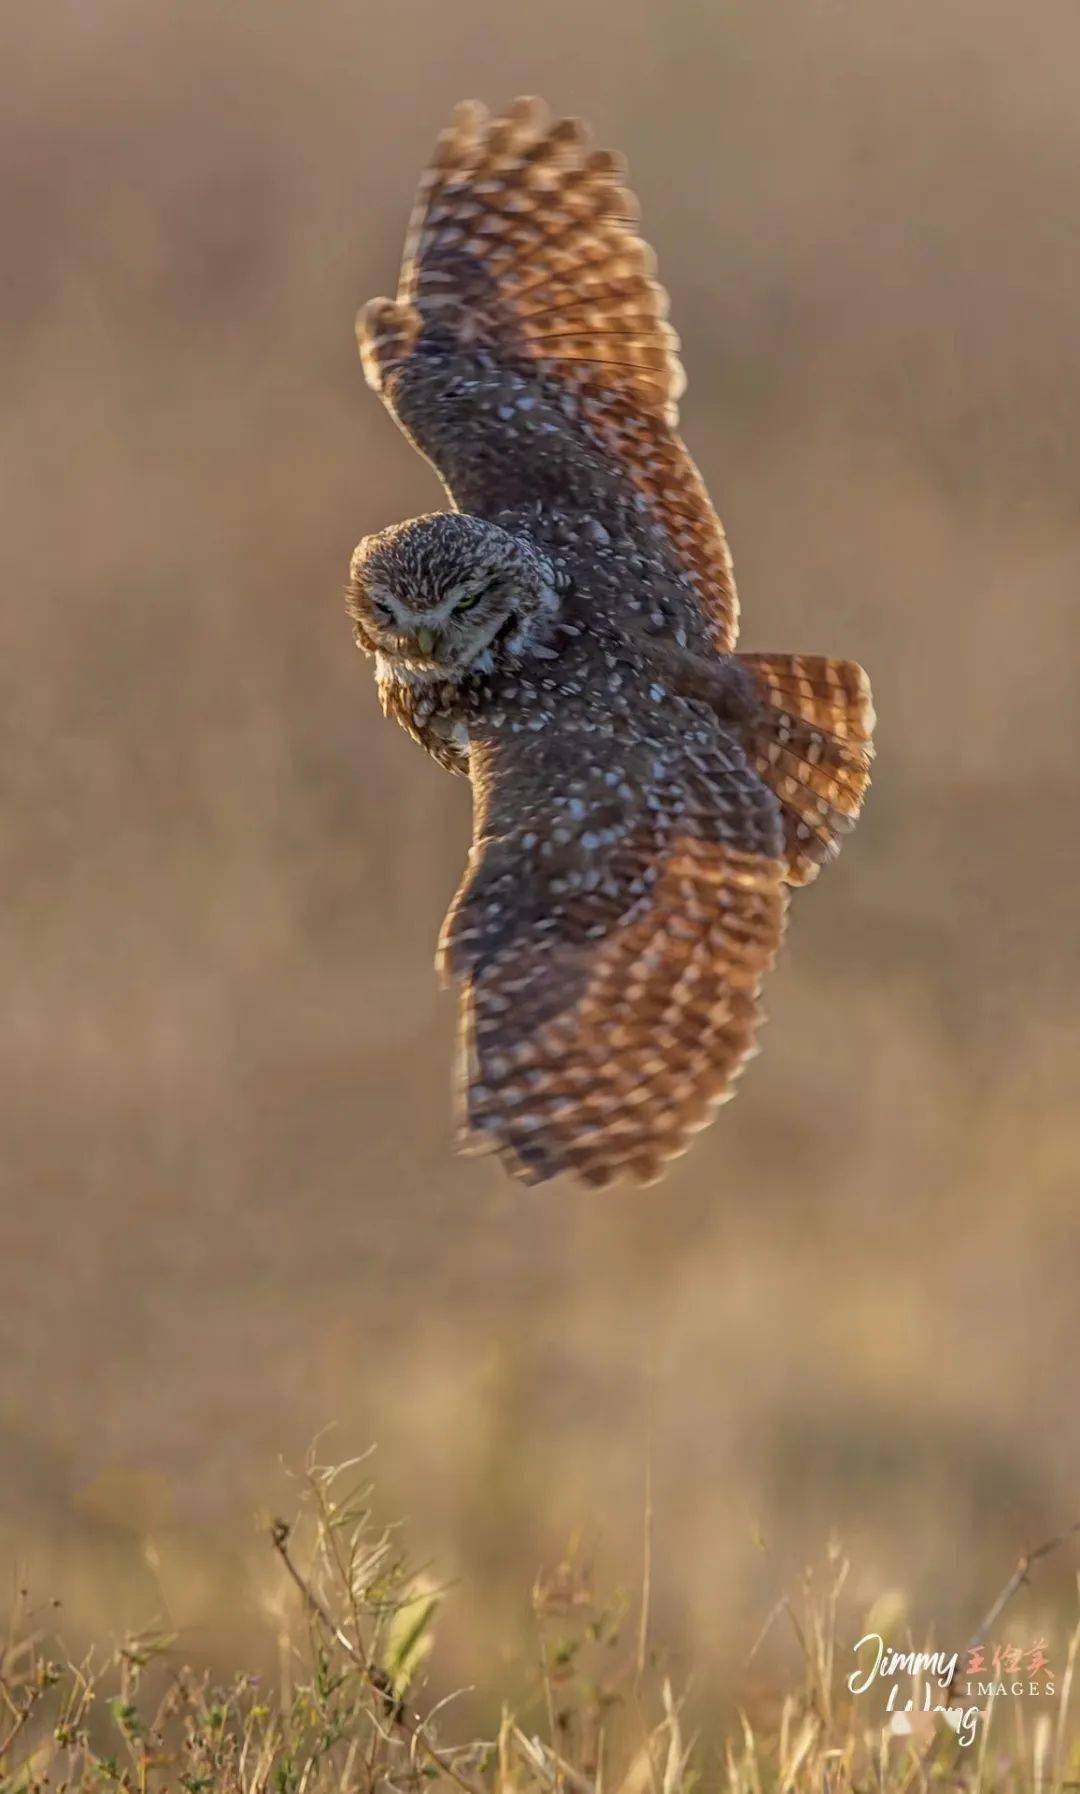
column 609, row 940
column 528, row 355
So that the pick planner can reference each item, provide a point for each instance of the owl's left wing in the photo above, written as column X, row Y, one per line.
column 528, row 353
column 609, row 939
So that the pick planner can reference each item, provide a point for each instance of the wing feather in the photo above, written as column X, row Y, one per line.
column 610, row 999
column 525, row 287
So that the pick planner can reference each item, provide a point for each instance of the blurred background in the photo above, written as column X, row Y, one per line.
column 231, row 1212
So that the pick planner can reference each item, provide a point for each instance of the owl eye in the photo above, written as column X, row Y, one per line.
column 474, row 598
column 380, row 611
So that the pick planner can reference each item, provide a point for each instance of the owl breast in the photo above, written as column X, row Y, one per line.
column 436, row 714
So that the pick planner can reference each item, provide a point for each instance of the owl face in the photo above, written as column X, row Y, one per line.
column 444, row 596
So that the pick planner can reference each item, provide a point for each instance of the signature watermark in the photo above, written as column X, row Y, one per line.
column 951, row 1684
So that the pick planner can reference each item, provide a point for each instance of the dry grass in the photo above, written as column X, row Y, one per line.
column 350, row 1713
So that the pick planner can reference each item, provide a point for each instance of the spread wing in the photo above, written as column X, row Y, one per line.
column 610, row 938
column 528, row 354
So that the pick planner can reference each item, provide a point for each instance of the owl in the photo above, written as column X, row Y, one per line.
column 643, row 795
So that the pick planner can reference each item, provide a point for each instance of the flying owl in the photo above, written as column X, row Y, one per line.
column 565, row 636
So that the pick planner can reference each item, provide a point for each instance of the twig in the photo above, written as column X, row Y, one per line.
column 1017, row 1580
column 646, row 1574
column 17, row 1725
column 997, row 1607
column 778, row 1607
column 397, row 1712
column 1066, row 1691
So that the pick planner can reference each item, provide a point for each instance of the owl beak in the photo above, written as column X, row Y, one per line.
column 425, row 640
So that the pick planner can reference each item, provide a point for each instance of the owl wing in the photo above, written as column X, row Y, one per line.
column 609, row 938
column 528, row 354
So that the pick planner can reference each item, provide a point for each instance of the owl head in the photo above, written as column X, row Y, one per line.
column 447, row 595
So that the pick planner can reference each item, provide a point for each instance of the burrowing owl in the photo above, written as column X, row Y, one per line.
column 643, row 794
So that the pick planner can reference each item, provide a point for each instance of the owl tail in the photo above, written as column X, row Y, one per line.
column 811, row 743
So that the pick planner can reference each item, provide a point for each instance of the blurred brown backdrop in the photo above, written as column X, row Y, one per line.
column 231, row 1213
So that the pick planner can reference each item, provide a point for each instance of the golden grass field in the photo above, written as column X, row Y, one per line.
column 231, row 1214
column 349, row 1710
